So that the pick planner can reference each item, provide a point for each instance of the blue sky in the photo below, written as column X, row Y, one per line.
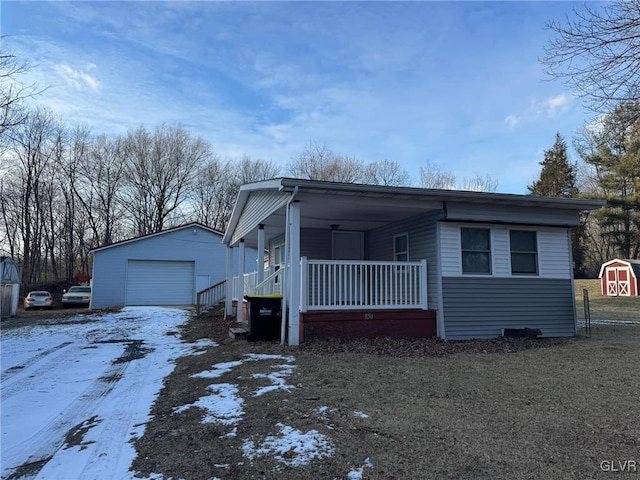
column 454, row 83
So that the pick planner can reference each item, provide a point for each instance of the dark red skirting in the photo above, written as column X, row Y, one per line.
column 369, row 323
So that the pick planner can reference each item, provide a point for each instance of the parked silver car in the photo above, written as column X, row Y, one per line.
column 77, row 296
column 38, row 299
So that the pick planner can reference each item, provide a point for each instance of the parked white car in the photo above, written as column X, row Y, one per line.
column 38, row 299
column 77, row 296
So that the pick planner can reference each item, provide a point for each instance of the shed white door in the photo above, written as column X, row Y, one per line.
column 618, row 282
column 159, row 283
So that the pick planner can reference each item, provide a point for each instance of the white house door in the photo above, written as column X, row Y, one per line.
column 618, row 282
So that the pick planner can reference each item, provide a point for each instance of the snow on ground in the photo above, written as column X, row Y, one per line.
column 291, row 447
column 75, row 393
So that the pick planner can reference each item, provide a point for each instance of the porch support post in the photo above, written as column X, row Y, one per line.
column 423, row 283
column 294, row 274
column 260, row 266
column 240, row 310
column 228, row 299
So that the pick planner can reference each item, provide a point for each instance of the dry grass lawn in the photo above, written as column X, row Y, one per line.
column 605, row 308
column 547, row 410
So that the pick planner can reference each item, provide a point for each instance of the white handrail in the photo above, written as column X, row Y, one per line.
column 270, row 285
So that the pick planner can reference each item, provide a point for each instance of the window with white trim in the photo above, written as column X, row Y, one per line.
column 401, row 247
column 524, row 252
column 476, row 250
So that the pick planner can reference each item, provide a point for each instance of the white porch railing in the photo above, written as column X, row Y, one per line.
column 270, row 285
column 250, row 280
column 211, row 296
column 351, row 285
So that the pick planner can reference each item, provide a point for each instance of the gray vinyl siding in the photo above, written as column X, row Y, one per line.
column 481, row 307
column 422, row 245
column 204, row 248
column 315, row 244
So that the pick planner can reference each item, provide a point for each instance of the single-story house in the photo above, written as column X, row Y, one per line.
column 620, row 278
column 365, row 260
column 9, row 287
column 164, row 268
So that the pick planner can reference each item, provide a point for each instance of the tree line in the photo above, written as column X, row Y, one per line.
column 64, row 191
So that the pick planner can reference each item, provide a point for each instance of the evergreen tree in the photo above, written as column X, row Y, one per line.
column 558, row 179
column 558, row 175
column 614, row 153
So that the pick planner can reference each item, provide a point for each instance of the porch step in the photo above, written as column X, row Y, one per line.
column 238, row 332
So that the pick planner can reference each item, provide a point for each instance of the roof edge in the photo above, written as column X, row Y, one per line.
column 161, row 232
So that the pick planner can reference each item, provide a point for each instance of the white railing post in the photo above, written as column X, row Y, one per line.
column 304, row 284
column 423, row 284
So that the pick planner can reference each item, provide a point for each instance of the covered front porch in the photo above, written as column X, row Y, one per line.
column 353, row 298
column 336, row 261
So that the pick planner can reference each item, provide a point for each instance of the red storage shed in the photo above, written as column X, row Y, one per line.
column 620, row 278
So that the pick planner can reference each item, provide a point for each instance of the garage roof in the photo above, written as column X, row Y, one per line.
column 161, row 232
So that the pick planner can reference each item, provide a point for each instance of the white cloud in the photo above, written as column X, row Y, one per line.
column 78, row 78
column 557, row 105
column 511, row 121
column 547, row 109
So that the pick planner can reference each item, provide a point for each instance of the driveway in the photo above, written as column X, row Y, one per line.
column 77, row 390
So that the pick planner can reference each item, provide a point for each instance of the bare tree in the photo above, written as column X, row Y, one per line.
column 33, row 146
column 13, row 90
column 319, row 162
column 218, row 183
column 99, row 170
column 598, row 54
column 161, row 167
column 479, row 183
column 248, row 170
column 432, row 176
column 385, row 172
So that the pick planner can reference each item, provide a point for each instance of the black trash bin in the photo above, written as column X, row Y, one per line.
column 265, row 315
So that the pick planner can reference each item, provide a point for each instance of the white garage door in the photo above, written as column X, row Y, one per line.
column 159, row 283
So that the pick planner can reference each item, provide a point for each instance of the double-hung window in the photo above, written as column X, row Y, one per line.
column 476, row 251
column 401, row 247
column 524, row 252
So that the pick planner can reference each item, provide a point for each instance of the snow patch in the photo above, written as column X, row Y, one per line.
column 218, row 370
column 277, row 380
column 291, row 446
column 224, row 406
column 265, row 356
column 358, row 472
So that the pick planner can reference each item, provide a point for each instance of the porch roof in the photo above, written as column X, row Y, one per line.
column 363, row 207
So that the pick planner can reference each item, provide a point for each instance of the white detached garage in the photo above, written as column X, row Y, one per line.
column 163, row 268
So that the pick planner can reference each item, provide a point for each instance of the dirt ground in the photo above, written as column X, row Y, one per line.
column 400, row 409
